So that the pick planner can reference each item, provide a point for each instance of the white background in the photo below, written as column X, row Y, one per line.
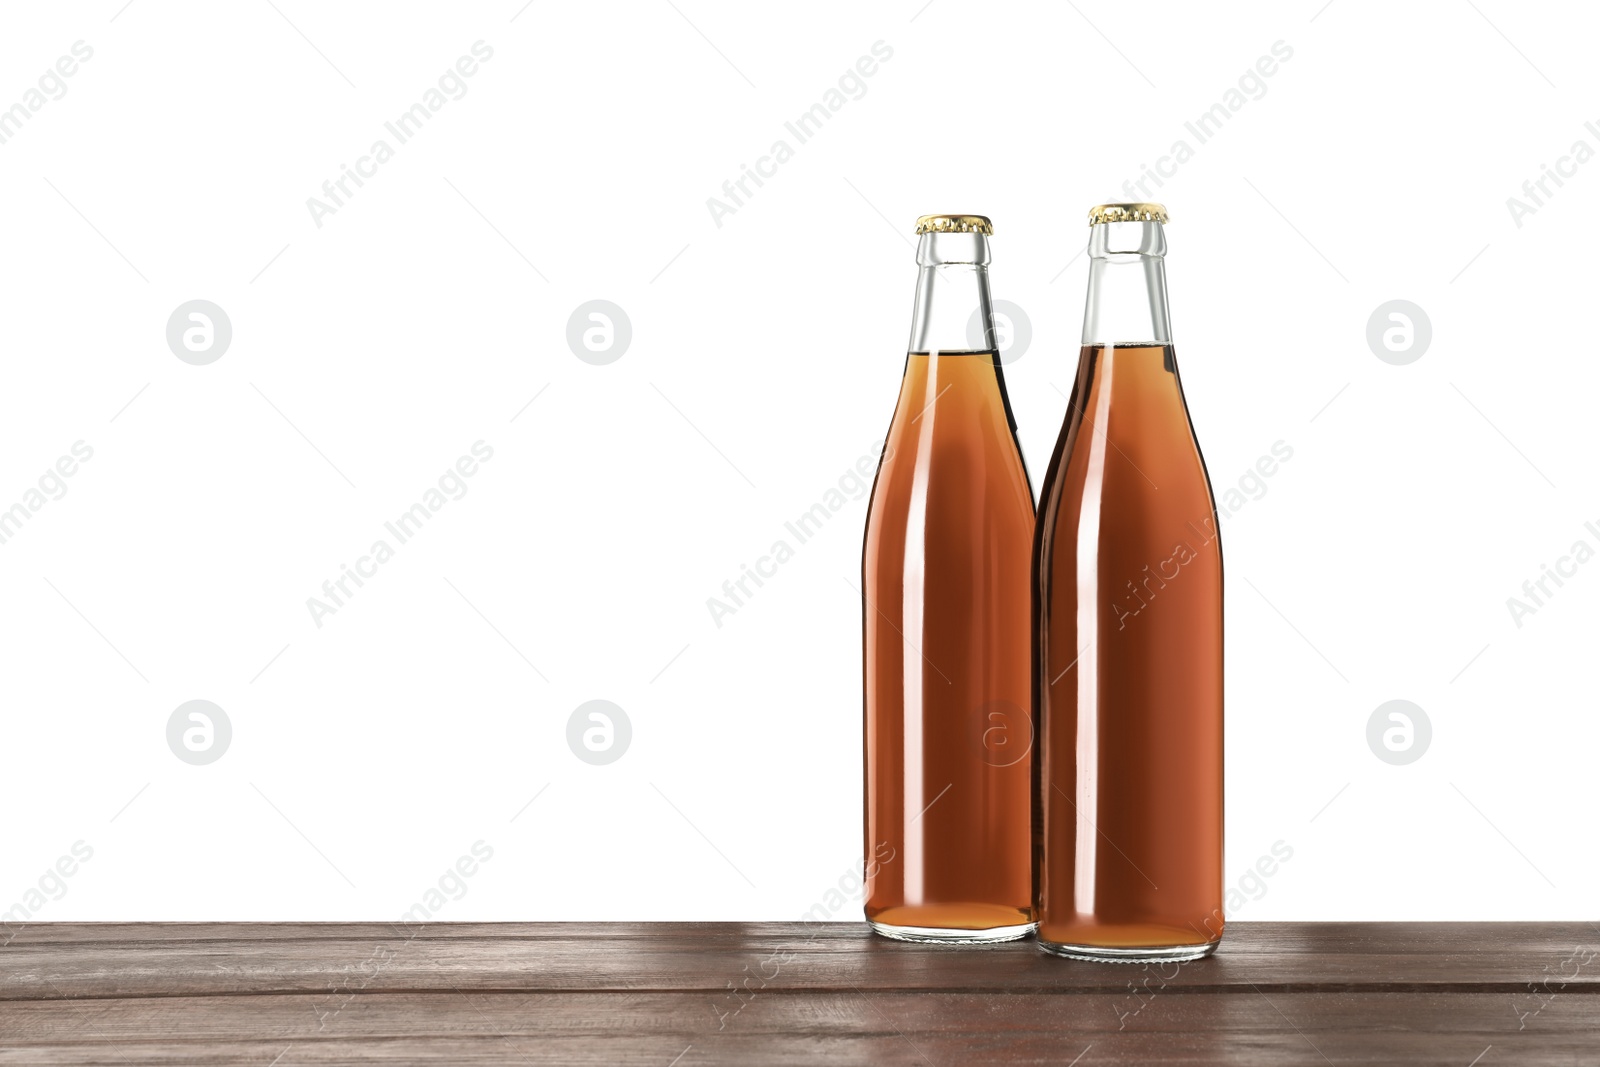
column 368, row 354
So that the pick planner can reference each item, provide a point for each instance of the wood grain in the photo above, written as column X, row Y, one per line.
column 779, row 993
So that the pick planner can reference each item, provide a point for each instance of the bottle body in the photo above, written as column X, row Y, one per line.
column 1128, row 640
column 947, row 625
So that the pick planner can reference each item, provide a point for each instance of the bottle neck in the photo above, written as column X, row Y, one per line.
column 1127, row 302
column 953, row 311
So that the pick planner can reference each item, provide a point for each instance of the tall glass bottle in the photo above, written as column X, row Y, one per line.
column 947, row 623
column 1128, row 633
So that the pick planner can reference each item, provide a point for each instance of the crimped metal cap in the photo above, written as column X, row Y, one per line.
column 1127, row 213
column 955, row 224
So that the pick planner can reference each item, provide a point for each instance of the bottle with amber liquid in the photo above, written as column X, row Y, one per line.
column 947, row 614
column 1128, row 633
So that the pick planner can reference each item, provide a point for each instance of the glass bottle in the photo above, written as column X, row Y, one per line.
column 947, row 618
column 1128, row 633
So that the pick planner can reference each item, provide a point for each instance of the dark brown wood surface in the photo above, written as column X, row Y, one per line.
column 687, row 994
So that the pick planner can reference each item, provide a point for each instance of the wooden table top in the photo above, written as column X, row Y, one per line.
column 691, row 994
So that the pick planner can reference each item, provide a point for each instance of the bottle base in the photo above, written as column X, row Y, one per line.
column 1141, row 954
column 934, row 935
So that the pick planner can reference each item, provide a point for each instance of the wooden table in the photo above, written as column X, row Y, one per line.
column 689, row 994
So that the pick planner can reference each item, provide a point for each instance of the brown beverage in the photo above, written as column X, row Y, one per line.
column 947, row 622
column 1129, row 634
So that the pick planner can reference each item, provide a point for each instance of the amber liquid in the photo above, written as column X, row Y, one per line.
column 946, row 575
column 1129, row 667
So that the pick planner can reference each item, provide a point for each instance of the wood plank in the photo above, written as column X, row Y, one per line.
column 303, row 1017
column 286, row 994
column 791, row 1027
column 115, row 960
column 1195, row 1050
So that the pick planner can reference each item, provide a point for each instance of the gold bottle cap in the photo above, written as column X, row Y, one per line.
column 955, row 224
column 1127, row 213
